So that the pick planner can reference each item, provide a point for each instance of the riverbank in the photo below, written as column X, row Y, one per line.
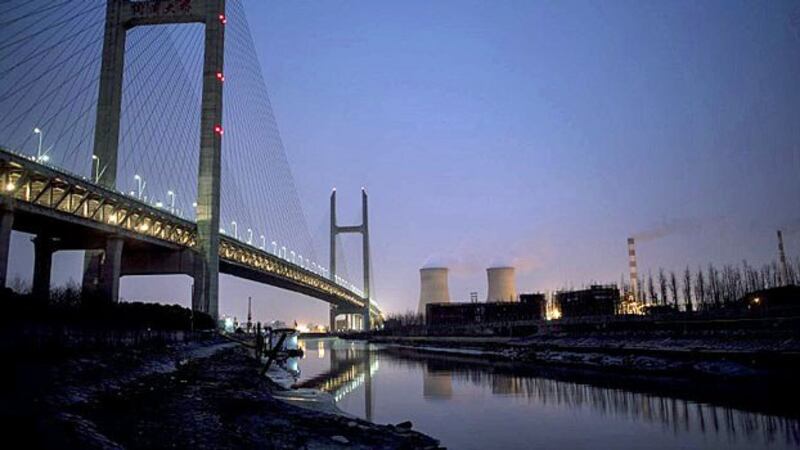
column 199, row 394
column 714, row 356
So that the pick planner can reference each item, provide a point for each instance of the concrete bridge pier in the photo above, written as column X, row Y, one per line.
column 332, row 326
column 199, row 294
column 6, row 223
column 43, row 250
column 102, row 272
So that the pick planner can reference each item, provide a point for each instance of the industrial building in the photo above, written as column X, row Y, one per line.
column 597, row 300
column 539, row 300
column 457, row 314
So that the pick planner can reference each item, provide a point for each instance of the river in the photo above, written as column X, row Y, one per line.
column 469, row 403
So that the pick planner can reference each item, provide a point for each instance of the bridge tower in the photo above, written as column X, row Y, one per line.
column 362, row 229
column 102, row 267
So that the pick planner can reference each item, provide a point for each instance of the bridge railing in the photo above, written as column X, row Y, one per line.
column 44, row 189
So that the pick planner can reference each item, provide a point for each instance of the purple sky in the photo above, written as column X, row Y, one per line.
column 542, row 133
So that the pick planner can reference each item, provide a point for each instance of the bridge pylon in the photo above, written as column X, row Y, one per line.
column 363, row 230
column 102, row 267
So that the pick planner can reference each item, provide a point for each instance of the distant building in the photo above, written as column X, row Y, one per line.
column 783, row 300
column 538, row 300
column 597, row 300
column 455, row 314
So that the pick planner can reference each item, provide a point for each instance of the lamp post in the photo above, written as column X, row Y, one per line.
column 235, row 227
column 249, row 236
column 171, row 195
column 140, row 185
column 38, row 131
column 96, row 160
column 263, row 242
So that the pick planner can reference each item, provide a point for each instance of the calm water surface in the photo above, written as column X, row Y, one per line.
column 474, row 406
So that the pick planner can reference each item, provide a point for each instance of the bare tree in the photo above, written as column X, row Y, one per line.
column 714, row 285
column 687, row 289
column 700, row 288
column 673, row 289
column 651, row 289
column 662, row 286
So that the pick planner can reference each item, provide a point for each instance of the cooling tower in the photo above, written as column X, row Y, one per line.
column 633, row 268
column 433, row 287
column 501, row 284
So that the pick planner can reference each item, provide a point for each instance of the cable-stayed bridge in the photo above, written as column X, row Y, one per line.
column 114, row 139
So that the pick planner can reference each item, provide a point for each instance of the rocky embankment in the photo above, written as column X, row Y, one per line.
column 192, row 395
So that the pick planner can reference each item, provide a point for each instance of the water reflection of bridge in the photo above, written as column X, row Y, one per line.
column 350, row 369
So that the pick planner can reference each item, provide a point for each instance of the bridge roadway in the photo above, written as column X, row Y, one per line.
column 68, row 212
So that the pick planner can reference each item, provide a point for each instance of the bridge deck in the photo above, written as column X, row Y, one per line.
column 80, row 214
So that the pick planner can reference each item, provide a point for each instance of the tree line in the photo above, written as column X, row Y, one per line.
column 710, row 287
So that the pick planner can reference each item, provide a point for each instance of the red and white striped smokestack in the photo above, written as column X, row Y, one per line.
column 782, row 256
column 633, row 268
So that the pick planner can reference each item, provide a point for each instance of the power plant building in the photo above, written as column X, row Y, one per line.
column 595, row 301
column 458, row 314
column 433, row 287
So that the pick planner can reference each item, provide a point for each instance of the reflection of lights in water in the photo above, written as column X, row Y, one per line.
column 347, row 382
column 320, row 349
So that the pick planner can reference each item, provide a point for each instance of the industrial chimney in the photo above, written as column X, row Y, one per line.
column 501, row 284
column 782, row 256
column 632, row 266
column 433, row 287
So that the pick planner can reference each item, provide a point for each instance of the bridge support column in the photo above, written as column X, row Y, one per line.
column 42, row 266
column 332, row 327
column 365, row 258
column 198, row 286
column 101, row 272
column 208, row 178
column 112, row 269
column 6, row 224
column 362, row 229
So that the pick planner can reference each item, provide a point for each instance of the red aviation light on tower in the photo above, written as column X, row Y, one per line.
column 223, row 19
column 221, row 77
column 218, row 129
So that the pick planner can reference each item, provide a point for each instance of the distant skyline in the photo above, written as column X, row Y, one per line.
column 541, row 134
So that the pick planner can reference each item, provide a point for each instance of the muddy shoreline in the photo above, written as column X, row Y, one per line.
column 201, row 394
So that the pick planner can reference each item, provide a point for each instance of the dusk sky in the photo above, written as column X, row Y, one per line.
column 540, row 134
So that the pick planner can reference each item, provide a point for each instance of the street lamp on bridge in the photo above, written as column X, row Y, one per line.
column 263, row 242
column 235, row 228
column 96, row 160
column 249, row 236
column 141, row 184
column 38, row 131
column 171, row 196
